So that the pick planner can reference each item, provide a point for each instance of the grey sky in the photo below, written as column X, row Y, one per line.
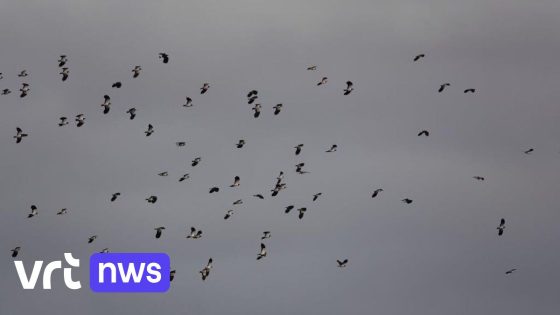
column 439, row 255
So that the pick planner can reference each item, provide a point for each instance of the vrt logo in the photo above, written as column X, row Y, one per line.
column 29, row 283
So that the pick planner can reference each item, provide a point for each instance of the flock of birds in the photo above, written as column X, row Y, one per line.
column 252, row 98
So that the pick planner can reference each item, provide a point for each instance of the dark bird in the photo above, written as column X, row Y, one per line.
column 407, row 200
column 151, row 199
column 236, row 182
column 262, row 253
column 323, row 81
column 80, row 120
column 136, row 71
column 106, row 104
column 342, row 264
column 529, row 151
column 19, row 135
column 349, row 87
column 186, row 176
column 131, row 112
column 34, row 212
column 63, row 121
column 163, row 174
column 501, row 227
column 288, row 209
column 104, row 251
column 171, row 275
column 65, row 72
column 316, row 196
column 419, row 56
column 92, row 238
column 15, row 251
column 205, row 272
column 277, row 109
column 252, row 99
column 479, row 178
column 252, row 93
column 62, row 211
column 164, row 57
column 240, row 144
column 312, row 68
column 229, row 213
column 443, row 86
column 115, row 196
column 180, row 143
column 149, row 131
column 333, row 148
column 301, row 212
column 159, row 231
column 469, row 91
column 195, row 161
column 188, row 103
column 62, row 61
column 195, row 234
column 214, row 189
column 204, row 88
column 510, row 271
column 24, row 90
column 23, row 74
column 6, row 91
column 376, row 192
column 238, row 202
column 266, row 234
column 257, row 110
column 116, row 85
column 298, row 148
column 259, row 196
column 424, row 133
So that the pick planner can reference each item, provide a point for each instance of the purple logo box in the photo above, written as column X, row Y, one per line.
column 129, row 272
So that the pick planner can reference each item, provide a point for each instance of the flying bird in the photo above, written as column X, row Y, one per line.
column 149, row 131
column 469, row 91
column 24, row 90
column 236, row 182
column 323, row 81
column 180, row 143
column 63, row 121
column 259, row 196
column 104, row 251
column 262, row 253
column 65, row 72
column 479, row 178
column 205, row 272
column 186, row 176
column 407, row 200
column 529, row 151
column 171, row 275
column 195, row 234
column 62, row 61
column 62, row 211
column 312, row 68
column 288, row 209
column 163, row 174
column 316, row 196
column 195, row 161
column 19, row 135
column 298, row 148
column 80, row 120
column 229, row 213
column 204, row 88
column 151, row 199
column 164, row 57
column 23, row 74
column 188, row 103
column 34, row 212
column 106, row 104
column 159, row 231
column 342, row 264
column 266, row 234
column 376, row 192
column 333, row 148
column 301, row 212
column 131, row 112
column 277, row 109
column 238, row 202
column 510, row 271
column 15, row 251
column 257, row 110
column 116, row 85
column 92, row 238
column 443, row 86
column 214, row 189
column 136, row 71
column 6, row 91
column 417, row 57
column 349, row 87
column 424, row 133
column 501, row 227
column 240, row 144
column 115, row 196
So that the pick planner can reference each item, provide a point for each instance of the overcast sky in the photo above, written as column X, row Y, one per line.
column 439, row 255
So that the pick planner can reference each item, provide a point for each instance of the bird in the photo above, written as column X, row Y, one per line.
column 349, row 87
column 186, row 176
column 257, row 109
column 92, row 238
column 376, row 192
column 117, row 85
column 64, row 73
column 104, row 251
column 333, row 148
column 501, row 227
column 529, row 151
column 407, row 200
column 195, row 234
column 479, row 178
column 443, row 86
column 171, row 275
column 62, row 61
column 149, row 131
column 252, row 93
column 205, row 272
column 510, row 271
column 1, row 76
column 298, row 148
column 238, row 202
column 34, row 212
column 131, row 112
column 136, row 71
column 188, row 103
column 195, row 161
column 63, row 121
column 229, row 213
column 180, row 143
column 163, row 174
column 424, row 133
column 23, row 74
column 15, row 251
column 214, row 189
column 236, row 182
column 164, row 57
column 277, row 109
column 19, row 135
column 266, row 234
column 152, row 199
column 159, row 231
column 240, row 144
column 469, row 91
column 323, row 81
column 316, row 196
column 106, row 104
column 258, row 196
column 62, row 211
column 299, row 167
column 312, row 68
column 262, row 253
column 288, row 209
column 115, row 196
column 252, row 99
column 6, row 91
column 417, row 57
column 301, row 212
column 80, row 120
column 204, row 88
column 342, row 264
column 24, row 90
